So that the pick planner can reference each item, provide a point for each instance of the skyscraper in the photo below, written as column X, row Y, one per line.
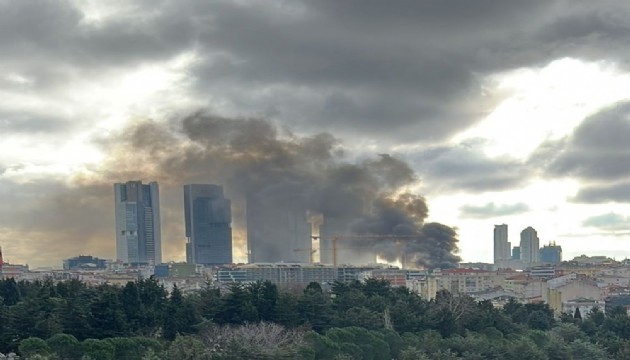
column 551, row 254
column 208, row 218
column 138, row 233
column 501, row 246
column 529, row 246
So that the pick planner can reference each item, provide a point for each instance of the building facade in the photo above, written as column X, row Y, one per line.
column 502, row 247
column 208, row 223
column 84, row 262
column 138, row 230
column 551, row 254
column 529, row 247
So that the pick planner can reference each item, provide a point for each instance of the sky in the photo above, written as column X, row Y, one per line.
column 508, row 111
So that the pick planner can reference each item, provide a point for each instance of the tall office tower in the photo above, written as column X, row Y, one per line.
column 551, row 254
column 138, row 233
column 502, row 247
column 529, row 246
column 277, row 231
column 208, row 218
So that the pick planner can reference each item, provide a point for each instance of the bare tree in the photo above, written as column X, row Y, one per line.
column 263, row 338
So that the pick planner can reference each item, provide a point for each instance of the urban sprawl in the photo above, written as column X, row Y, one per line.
column 288, row 254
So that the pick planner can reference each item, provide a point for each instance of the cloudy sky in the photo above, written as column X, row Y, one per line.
column 509, row 112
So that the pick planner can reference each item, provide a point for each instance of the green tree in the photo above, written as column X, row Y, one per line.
column 181, row 315
column 539, row 320
column 98, row 349
column 287, row 311
column 208, row 301
column 74, row 317
column 584, row 350
column 9, row 291
column 65, row 346
column 361, row 317
column 187, row 347
column 154, row 301
column 132, row 306
column 132, row 348
column 171, row 322
column 316, row 307
column 236, row 306
column 264, row 297
column 524, row 349
column 33, row 346
column 106, row 317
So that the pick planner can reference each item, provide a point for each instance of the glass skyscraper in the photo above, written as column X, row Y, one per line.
column 138, row 232
column 208, row 218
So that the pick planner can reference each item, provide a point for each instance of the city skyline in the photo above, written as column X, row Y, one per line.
column 491, row 111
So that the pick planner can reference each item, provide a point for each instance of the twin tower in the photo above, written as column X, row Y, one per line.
column 207, row 216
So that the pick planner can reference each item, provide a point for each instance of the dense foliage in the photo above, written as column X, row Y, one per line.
column 370, row 320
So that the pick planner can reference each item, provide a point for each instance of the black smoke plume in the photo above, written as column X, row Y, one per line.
column 252, row 157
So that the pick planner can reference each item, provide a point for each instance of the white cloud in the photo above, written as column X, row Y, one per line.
column 546, row 103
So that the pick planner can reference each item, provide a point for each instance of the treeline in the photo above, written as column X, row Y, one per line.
column 369, row 320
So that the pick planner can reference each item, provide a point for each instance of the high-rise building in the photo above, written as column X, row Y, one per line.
column 138, row 233
column 502, row 247
column 277, row 231
column 551, row 254
column 516, row 253
column 529, row 246
column 208, row 220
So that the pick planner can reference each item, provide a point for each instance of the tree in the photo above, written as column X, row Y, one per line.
column 154, row 300
column 538, row 320
column 188, row 348
column 236, row 306
column 106, row 317
column 264, row 295
column 98, row 349
column 180, row 317
column 361, row 317
column 254, row 341
column 208, row 301
column 287, row 310
column 33, row 346
column 132, row 306
column 65, row 346
column 9, row 291
column 132, row 348
column 316, row 307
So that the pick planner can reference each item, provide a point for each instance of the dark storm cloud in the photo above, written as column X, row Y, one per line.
column 362, row 70
column 603, row 193
column 598, row 149
column 465, row 168
column 610, row 221
column 597, row 153
column 492, row 210
column 405, row 72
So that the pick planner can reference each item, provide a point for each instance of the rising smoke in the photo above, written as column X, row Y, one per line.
column 254, row 157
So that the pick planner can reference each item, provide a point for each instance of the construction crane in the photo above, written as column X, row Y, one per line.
column 310, row 255
column 335, row 238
